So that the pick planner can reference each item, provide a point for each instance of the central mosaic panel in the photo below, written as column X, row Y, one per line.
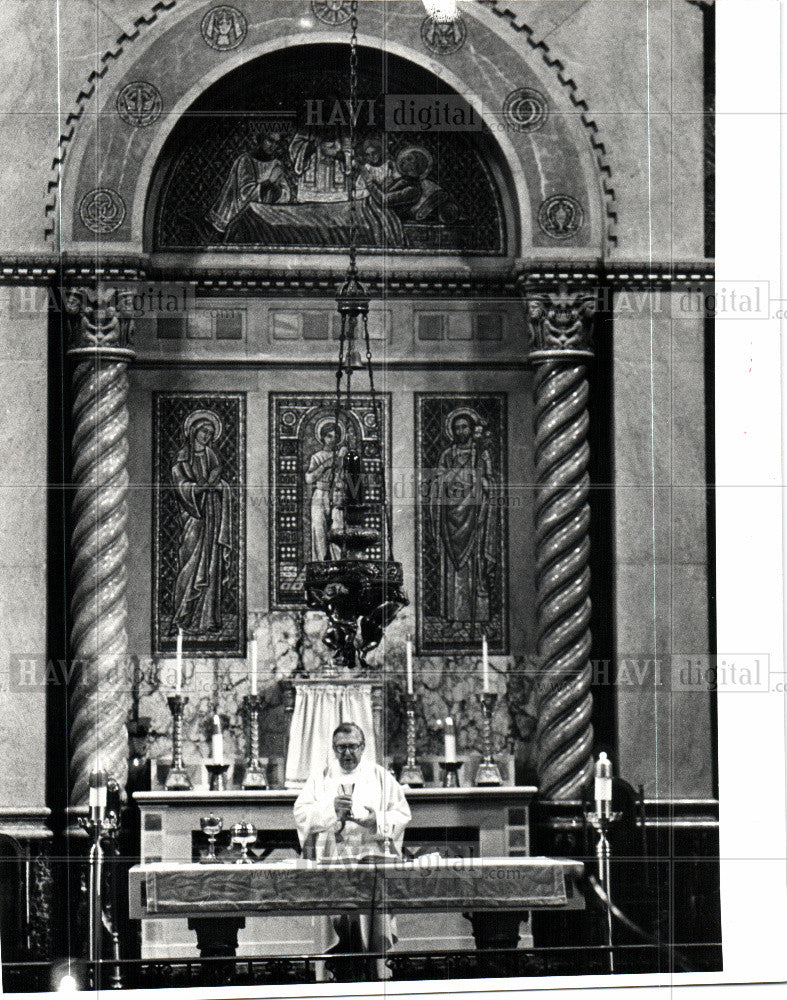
column 308, row 436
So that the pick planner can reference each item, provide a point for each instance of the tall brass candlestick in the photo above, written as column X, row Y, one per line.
column 255, row 771
column 412, row 774
column 177, row 779
column 488, row 772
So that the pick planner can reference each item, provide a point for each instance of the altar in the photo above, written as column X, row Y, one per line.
column 217, row 898
column 458, row 823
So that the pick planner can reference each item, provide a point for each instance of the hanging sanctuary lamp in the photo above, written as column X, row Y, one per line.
column 359, row 585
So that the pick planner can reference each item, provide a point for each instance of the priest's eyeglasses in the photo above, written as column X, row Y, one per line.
column 341, row 747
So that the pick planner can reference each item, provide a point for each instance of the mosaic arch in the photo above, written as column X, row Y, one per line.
column 534, row 153
column 273, row 172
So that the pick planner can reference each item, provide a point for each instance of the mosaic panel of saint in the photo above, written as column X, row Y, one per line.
column 461, row 525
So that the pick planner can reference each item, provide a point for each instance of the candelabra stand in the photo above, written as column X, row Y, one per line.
column 488, row 772
column 412, row 774
column 217, row 769
column 254, row 777
column 450, row 772
column 99, row 828
column 601, row 823
column 177, row 779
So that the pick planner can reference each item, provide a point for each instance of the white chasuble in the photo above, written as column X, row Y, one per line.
column 373, row 788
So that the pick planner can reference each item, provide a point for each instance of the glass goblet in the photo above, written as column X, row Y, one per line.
column 244, row 834
column 211, row 826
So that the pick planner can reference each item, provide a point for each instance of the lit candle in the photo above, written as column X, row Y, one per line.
column 217, row 741
column 97, row 792
column 485, row 663
column 254, row 666
column 450, row 741
column 179, row 663
column 409, row 665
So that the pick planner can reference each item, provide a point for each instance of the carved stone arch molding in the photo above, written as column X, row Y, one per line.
column 550, row 161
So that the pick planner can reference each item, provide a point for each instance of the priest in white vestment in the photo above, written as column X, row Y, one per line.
column 351, row 808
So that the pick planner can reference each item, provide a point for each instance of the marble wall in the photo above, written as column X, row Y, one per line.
column 23, row 549
column 661, row 545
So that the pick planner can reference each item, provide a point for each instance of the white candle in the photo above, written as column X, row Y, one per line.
column 409, row 665
column 485, row 664
column 179, row 663
column 450, row 741
column 217, row 741
column 254, row 666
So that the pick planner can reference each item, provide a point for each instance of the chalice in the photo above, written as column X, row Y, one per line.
column 243, row 834
column 345, row 789
column 212, row 826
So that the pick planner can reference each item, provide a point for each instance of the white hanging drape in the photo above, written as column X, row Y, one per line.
column 319, row 709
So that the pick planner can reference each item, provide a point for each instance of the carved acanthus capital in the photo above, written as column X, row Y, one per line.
column 101, row 320
column 560, row 323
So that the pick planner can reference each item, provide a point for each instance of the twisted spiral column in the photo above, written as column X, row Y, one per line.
column 100, row 694
column 560, row 326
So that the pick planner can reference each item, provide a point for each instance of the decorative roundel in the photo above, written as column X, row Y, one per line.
column 443, row 37
column 332, row 12
column 525, row 110
column 560, row 216
column 139, row 104
column 102, row 211
column 224, row 28
column 288, row 418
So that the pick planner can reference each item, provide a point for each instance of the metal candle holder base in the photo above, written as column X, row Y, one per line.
column 217, row 771
column 450, row 770
column 254, row 777
column 412, row 774
column 177, row 779
column 488, row 772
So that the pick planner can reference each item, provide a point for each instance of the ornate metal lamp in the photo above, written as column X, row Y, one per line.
column 358, row 586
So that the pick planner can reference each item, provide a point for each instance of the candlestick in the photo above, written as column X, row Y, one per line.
column 177, row 779
column 179, row 662
column 450, row 741
column 102, row 827
column 412, row 774
column 409, row 648
column 488, row 772
column 217, row 770
column 254, row 666
column 602, row 786
column 217, row 741
column 485, row 663
column 451, row 772
column 255, row 770
column 97, row 793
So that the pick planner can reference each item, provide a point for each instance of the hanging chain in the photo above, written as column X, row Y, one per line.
column 337, row 420
column 386, row 549
column 353, row 120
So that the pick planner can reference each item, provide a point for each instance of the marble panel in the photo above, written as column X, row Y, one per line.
column 22, row 708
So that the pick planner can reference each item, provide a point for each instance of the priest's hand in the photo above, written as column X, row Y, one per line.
column 343, row 805
column 369, row 821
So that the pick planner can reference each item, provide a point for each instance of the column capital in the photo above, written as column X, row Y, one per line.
column 101, row 321
column 560, row 321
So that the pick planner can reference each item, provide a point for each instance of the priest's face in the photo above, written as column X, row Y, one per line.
column 348, row 748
